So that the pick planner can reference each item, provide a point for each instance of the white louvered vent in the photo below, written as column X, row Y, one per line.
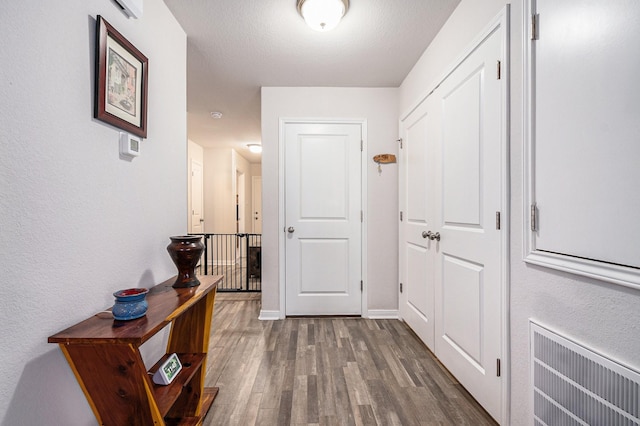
column 573, row 385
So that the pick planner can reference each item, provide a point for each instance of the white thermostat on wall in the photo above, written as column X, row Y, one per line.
column 129, row 145
column 168, row 370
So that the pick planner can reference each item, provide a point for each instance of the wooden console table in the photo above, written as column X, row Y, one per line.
column 105, row 357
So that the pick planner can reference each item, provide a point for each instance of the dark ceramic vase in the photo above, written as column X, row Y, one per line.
column 185, row 251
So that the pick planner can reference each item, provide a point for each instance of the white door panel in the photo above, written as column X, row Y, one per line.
column 256, row 203
column 197, row 195
column 417, row 164
column 417, row 269
column 322, row 279
column 323, row 209
column 468, row 272
column 415, row 147
column 461, row 160
column 462, row 307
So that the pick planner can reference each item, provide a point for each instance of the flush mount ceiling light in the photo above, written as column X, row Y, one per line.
column 216, row 115
column 322, row 15
column 255, row 148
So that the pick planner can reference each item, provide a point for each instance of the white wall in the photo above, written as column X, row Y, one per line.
column 244, row 167
column 379, row 107
column 256, row 169
column 219, row 202
column 220, row 166
column 600, row 315
column 78, row 223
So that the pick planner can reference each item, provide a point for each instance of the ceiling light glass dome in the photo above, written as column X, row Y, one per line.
column 322, row 15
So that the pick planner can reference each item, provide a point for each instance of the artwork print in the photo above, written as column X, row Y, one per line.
column 121, row 83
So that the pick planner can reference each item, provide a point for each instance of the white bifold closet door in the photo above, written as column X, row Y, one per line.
column 452, row 171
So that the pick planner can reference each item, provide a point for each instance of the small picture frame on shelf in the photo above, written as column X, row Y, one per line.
column 121, row 81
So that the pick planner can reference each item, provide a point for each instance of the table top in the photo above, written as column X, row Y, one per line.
column 165, row 304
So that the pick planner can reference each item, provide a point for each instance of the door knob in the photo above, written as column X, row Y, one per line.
column 430, row 235
column 290, row 229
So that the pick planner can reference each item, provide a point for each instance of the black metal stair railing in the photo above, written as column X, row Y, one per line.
column 238, row 257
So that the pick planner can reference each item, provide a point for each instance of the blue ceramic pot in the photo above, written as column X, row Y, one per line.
column 130, row 304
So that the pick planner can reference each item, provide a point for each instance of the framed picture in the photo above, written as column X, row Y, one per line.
column 121, row 81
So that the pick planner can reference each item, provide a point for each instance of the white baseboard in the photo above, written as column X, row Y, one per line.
column 382, row 314
column 269, row 315
column 371, row 314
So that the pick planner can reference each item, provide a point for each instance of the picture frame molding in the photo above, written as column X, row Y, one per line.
column 130, row 112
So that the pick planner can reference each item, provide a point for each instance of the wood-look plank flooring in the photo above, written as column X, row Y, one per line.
column 326, row 371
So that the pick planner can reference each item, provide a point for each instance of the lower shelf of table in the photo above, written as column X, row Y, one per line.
column 207, row 400
column 166, row 396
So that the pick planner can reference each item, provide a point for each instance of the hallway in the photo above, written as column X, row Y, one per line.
column 326, row 371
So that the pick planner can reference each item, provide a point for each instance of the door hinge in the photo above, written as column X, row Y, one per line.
column 400, row 141
column 499, row 70
column 361, row 285
column 534, row 26
column 400, row 216
column 497, row 220
column 361, row 216
column 498, row 367
column 534, row 217
column 361, row 145
column 400, row 287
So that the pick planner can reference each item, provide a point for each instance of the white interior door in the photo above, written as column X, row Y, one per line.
column 417, row 174
column 256, row 203
column 323, row 218
column 468, row 269
column 197, row 195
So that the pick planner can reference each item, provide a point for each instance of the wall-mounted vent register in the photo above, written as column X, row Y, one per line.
column 573, row 385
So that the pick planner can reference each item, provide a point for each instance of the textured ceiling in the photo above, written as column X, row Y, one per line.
column 237, row 46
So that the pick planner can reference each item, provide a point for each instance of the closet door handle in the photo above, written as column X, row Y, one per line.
column 430, row 235
column 291, row 229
